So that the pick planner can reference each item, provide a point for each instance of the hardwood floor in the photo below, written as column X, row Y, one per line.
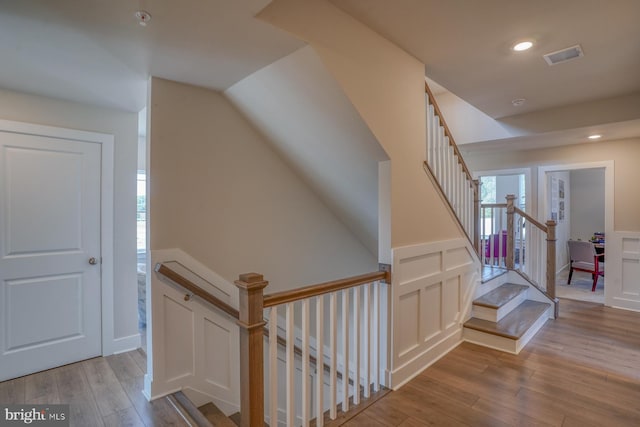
column 582, row 369
column 101, row 392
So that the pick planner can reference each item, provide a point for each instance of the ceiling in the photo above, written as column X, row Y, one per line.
column 93, row 51
column 466, row 46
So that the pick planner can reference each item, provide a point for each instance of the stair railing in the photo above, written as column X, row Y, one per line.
column 361, row 328
column 511, row 238
column 447, row 167
column 493, row 234
column 531, row 248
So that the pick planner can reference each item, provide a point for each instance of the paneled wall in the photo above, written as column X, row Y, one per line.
column 192, row 347
column 623, row 256
column 432, row 289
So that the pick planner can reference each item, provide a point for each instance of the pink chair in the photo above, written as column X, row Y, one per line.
column 499, row 248
column 583, row 257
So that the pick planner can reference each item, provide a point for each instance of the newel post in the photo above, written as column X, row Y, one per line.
column 476, row 214
column 510, row 232
column 551, row 258
column 251, row 322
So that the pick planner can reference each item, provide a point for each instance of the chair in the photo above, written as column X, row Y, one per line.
column 499, row 247
column 583, row 257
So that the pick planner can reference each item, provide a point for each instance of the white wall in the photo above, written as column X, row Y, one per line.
column 587, row 203
column 123, row 126
column 505, row 185
column 304, row 114
column 219, row 192
column 386, row 86
column 563, row 227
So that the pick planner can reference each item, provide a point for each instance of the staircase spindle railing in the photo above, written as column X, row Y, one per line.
column 356, row 346
column 446, row 166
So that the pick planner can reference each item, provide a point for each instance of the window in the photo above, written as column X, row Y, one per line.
column 141, row 212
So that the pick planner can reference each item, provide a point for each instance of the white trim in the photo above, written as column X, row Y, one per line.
column 124, row 344
column 106, row 211
column 609, row 199
column 528, row 207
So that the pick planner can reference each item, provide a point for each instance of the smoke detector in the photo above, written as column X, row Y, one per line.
column 564, row 55
column 143, row 17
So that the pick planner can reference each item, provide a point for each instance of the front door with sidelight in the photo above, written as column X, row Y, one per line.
column 50, row 278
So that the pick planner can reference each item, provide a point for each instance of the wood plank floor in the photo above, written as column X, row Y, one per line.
column 105, row 391
column 582, row 369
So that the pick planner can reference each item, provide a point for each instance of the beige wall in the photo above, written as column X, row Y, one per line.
column 386, row 85
column 624, row 153
column 124, row 127
column 219, row 192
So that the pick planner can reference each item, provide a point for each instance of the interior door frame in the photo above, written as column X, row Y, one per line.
column 609, row 209
column 106, row 142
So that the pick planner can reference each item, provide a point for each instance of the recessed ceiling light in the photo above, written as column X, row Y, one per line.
column 595, row 136
column 519, row 47
column 143, row 17
column 518, row 102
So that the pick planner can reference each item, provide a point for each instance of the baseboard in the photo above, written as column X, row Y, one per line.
column 125, row 344
column 413, row 368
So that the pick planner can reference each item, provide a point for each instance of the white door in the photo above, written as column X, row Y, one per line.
column 50, row 304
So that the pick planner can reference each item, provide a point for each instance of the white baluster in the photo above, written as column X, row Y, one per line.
column 291, row 369
column 376, row 336
column 306, row 396
column 345, row 350
column 367, row 340
column 356, row 345
column 320, row 361
column 273, row 366
column 333, row 381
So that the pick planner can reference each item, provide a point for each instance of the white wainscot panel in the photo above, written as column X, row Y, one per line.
column 451, row 302
column 430, row 315
column 430, row 294
column 178, row 340
column 630, row 267
column 458, row 257
column 423, row 265
column 217, row 353
column 408, row 337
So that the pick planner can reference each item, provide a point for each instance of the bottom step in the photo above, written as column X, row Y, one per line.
column 215, row 416
column 511, row 333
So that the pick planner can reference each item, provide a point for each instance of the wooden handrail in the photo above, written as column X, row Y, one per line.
column 448, row 202
column 323, row 288
column 493, row 205
column 531, row 220
column 447, row 132
column 196, row 290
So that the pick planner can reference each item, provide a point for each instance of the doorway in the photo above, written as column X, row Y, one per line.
column 54, row 258
column 580, row 198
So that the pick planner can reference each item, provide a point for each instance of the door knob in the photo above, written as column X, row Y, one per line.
column 92, row 261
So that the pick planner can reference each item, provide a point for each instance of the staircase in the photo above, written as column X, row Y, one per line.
column 506, row 318
column 209, row 415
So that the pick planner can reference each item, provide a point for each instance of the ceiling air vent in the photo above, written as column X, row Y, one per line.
column 563, row 55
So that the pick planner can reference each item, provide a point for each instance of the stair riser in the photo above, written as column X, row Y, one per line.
column 502, row 343
column 495, row 315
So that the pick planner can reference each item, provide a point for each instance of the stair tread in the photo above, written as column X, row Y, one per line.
column 500, row 295
column 215, row 416
column 515, row 324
